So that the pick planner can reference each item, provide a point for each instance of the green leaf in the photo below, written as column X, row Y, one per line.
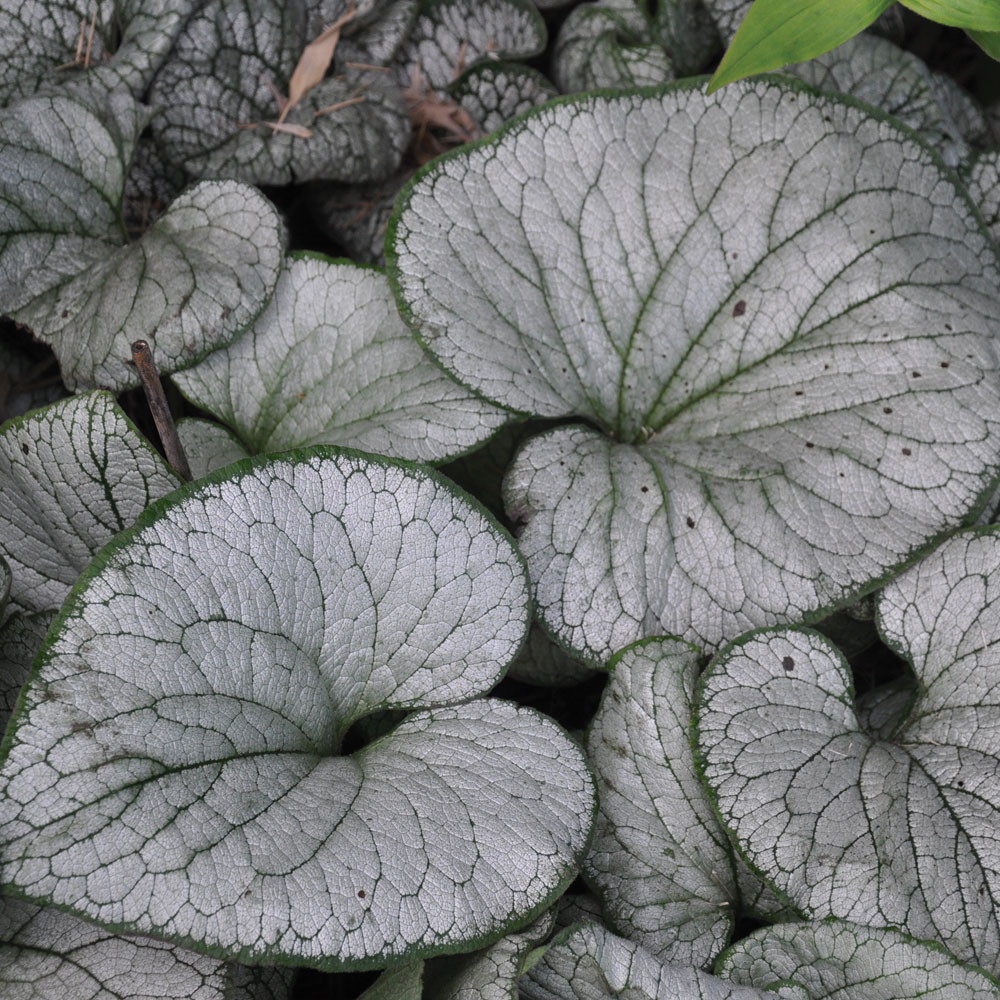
column 451, row 35
column 778, row 32
column 846, row 823
column 852, row 962
column 988, row 41
column 198, row 275
column 72, row 475
column 48, row 955
column 221, row 86
column 194, row 693
column 977, row 15
column 587, row 962
column 765, row 379
column 329, row 361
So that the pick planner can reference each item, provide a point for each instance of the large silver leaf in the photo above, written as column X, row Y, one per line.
column 48, row 955
column 329, row 361
column 793, row 392
column 175, row 767
column 194, row 279
column 72, row 475
column 837, row 960
column 898, row 832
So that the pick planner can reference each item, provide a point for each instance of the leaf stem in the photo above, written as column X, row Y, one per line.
column 165, row 426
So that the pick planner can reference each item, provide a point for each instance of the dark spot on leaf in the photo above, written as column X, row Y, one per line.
column 887, row 409
column 840, row 474
column 788, row 663
column 871, row 232
column 740, row 308
column 736, row 255
column 248, row 893
column 645, row 489
column 825, row 367
column 798, row 392
column 916, row 374
column 65, row 313
column 947, row 326
column 906, row 451
column 961, row 784
column 690, row 522
column 226, row 312
column 25, row 449
column 809, row 444
column 361, row 893
column 944, row 364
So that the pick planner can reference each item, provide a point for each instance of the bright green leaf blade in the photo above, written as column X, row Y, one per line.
column 852, row 962
column 660, row 862
column 587, row 962
column 988, row 41
column 199, row 274
column 977, row 15
column 231, row 638
column 776, row 33
column 72, row 475
column 329, row 361
column 885, row 833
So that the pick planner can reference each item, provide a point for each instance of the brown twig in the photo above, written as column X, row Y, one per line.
column 143, row 358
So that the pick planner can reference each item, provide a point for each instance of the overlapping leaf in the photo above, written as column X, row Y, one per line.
column 174, row 767
column 660, row 861
column 900, row 83
column 796, row 389
column 48, row 955
column 494, row 92
column 898, row 832
column 195, row 278
column 227, row 78
column 608, row 44
column 330, row 362
column 837, row 959
column 586, row 962
column 72, row 475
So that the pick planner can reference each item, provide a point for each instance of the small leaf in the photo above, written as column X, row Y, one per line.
column 778, row 32
column 68, row 271
column 587, row 962
column 848, row 961
column 208, row 445
column 20, row 639
column 977, row 15
column 72, row 475
column 192, row 784
column 329, row 361
column 314, row 63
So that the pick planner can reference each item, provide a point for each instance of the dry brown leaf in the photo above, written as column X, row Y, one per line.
column 428, row 111
column 290, row 128
column 314, row 62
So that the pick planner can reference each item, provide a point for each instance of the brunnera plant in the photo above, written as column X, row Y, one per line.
column 254, row 719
